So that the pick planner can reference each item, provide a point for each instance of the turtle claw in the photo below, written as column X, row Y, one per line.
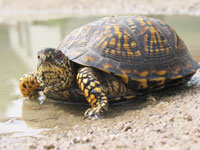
column 95, row 113
column 41, row 97
column 92, row 113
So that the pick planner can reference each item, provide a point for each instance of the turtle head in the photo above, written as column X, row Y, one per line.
column 52, row 57
column 54, row 68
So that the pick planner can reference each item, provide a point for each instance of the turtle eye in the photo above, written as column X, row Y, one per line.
column 60, row 55
column 38, row 56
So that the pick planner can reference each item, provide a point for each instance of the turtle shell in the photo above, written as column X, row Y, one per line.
column 130, row 46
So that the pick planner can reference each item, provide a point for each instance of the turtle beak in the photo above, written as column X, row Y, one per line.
column 44, row 56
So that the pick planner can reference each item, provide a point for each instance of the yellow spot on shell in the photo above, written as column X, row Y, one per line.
column 138, row 53
column 108, row 28
column 107, row 51
column 88, row 58
column 112, row 42
column 118, row 46
column 176, row 77
column 112, row 52
column 148, row 22
column 143, row 83
column 118, row 32
column 159, row 72
column 126, row 39
column 133, row 44
column 127, row 46
column 161, row 80
column 130, row 53
column 104, row 45
column 124, row 78
column 142, row 74
column 106, row 65
column 102, row 40
column 124, row 71
column 157, row 51
column 141, row 21
column 176, row 71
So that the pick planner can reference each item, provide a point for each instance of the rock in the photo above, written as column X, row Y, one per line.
column 32, row 147
column 85, row 140
column 51, row 146
column 151, row 99
column 93, row 147
column 76, row 140
column 171, row 119
column 128, row 127
column 187, row 117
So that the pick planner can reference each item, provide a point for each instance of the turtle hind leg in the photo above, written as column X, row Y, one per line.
column 29, row 86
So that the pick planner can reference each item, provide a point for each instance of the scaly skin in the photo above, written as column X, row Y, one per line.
column 29, row 85
column 60, row 78
column 93, row 91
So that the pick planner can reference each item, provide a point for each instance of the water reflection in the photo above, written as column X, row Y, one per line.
column 20, row 42
column 27, row 38
column 50, row 115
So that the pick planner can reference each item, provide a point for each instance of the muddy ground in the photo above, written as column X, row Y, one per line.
column 169, row 119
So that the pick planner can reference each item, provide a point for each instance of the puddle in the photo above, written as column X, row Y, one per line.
column 20, row 42
column 19, row 128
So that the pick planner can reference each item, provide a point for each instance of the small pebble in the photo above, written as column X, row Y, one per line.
column 85, row 140
column 128, row 127
column 163, row 142
column 93, row 147
column 76, row 140
column 51, row 146
column 187, row 117
column 171, row 119
column 112, row 137
column 32, row 147
column 151, row 99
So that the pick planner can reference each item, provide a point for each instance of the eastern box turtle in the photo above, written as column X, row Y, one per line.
column 110, row 59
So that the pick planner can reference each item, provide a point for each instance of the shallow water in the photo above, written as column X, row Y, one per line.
column 20, row 42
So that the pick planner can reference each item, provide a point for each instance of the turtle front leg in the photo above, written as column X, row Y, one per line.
column 29, row 85
column 93, row 91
